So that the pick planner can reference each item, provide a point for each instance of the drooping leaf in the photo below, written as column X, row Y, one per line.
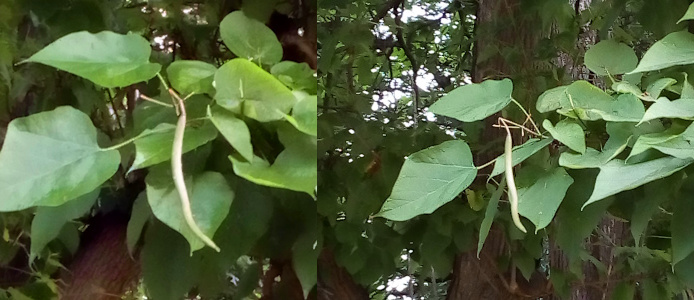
column 141, row 213
column 610, row 57
column 297, row 76
column 233, row 129
column 673, row 142
column 625, row 87
column 587, row 102
column 48, row 221
column 246, row 88
column 294, row 168
column 304, row 115
column 617, row 176
column 210, row 199
column 476, row 101
column 250, row 39
column 50, row 158
column 489, row 214
column 155, row 144
column 689, row 15
column 191, row 76
column 657, row 87
column 429, row 179
column 682, row 222
column 305, row 253
column 656, row 193
column 519, row 154
column 675, row 49
column 540, row 201
column 569, row 133
column 105, row 58
column 664, row 108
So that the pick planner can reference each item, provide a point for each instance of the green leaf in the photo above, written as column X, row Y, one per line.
column 233, row 129
column 664, row 108
column 569, row 133
column 249, row 38
column 297, row 76
column 429, row 179
column 293, row 169
column 587, row 102
column 305, row 259
column 489, row 214
column 168, row 269
column 689, row 15
column 657, row 87
column 210, row 199
column 610, row 57
column 50, row 158
column 672, row 142
column 682, row 222
column 304, row 115
column 191, row 77
column 476, row 101
column 141, row 213
column 655, row 194
column 519, row 154
column 624, row 291
column 617, row 176
column 48, row 221
column 105, row 58
column 540, row 201
column 155, row 144
column 625, row 87
column 245, row 87
column 675, row 49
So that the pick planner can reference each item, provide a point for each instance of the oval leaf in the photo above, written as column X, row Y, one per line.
column 210, row 199
column 429, row 179
column 569, row 133
column 610, row 57
column 191, row 76
column 249, row 38
column 617, row 176
column 476, row 101
column 50, row 158
column 244, row 87
column 106, row 58
column 675, row 49
column 540, row 201
column 233, row 129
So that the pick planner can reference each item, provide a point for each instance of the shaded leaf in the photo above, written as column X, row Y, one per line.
column 297, row 76
column 587, row 102
column 50, row 158
column 610, row 57
column 429, row 179
column 540, row 201
column 141, row 213
column 249, row 38
column 191, row 76
column 489, row 214
column 304, row 115
column 233, row 129
column 569, row 133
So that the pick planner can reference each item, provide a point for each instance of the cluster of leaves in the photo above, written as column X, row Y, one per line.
column 245, row 185
column 625, row 150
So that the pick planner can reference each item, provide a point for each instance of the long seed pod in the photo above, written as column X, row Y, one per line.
column 177, row 170
column 512, row 191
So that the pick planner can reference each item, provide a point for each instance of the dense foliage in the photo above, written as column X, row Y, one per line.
column 414, row 166
column 137, row 133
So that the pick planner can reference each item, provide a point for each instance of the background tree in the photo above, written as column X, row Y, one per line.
column 91, row 118
column 396, row 77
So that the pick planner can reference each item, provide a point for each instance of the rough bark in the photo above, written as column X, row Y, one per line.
column 102, row 268
column 334, row 282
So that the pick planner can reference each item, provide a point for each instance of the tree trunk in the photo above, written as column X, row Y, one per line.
column 334, row 282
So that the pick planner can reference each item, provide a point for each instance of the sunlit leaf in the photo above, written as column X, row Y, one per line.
column 233, row 129
column 664, row 108
column 519, row 154
column 249, row 38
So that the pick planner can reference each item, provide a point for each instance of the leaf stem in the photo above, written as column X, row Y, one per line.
column 156, row 101
column 177, row 170
column 161, row 78
column 527, row 115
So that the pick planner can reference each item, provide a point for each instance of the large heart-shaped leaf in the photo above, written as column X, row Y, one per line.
column 155, row 144
column 233, row 129
column 588, row 102
column 540, row 201
column 617, row 176
column 210, row 199
column 50, row 158
column 294, row 168
column 105, row 58
column 429, row 179
column 249, row 38
column 610, row 57
column 519, row 154
column 246, row 88
column 191, row 76
column 476, row 101
column 675, row 49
